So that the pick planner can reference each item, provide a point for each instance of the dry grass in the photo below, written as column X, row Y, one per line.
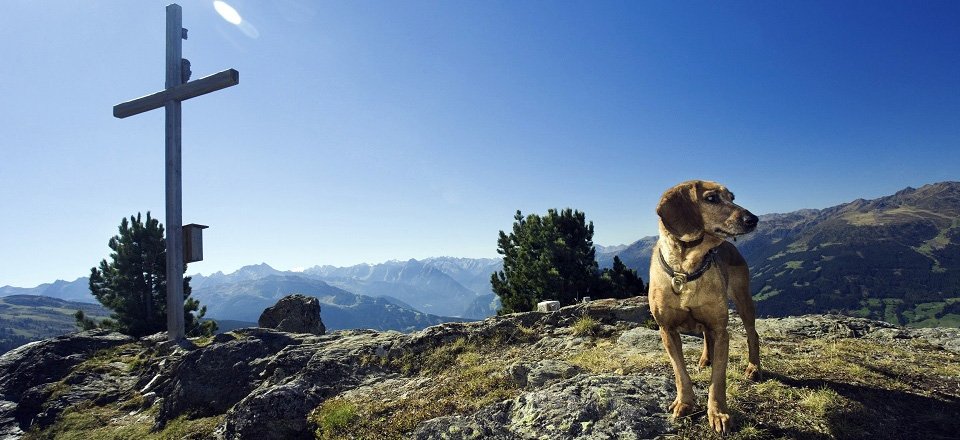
column 86, row 421
column 610, row 358
column 461, row 378
column 838, row 389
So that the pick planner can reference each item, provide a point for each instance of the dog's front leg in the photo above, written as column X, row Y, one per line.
column 717, row 413
column 683, row 404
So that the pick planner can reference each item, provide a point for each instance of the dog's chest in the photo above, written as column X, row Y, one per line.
column 708, row 289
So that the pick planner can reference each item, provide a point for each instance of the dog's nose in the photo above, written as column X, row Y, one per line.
column 749, row 220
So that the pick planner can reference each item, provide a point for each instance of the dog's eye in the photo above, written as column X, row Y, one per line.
column 712, row 198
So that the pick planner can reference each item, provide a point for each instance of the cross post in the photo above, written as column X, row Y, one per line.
column 177, row 90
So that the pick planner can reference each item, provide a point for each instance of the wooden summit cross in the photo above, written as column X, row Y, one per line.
column 177, row 89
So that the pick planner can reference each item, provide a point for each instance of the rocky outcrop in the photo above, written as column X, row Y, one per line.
column 295, row 314
column 28, row 375
column 582, row 407
column 519, row 376
column 298, row 378
column 838, row 326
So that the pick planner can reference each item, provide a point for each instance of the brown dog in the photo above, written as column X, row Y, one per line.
column 693, row 272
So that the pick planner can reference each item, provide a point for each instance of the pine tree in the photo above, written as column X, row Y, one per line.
column 134, row 283
column 545, row 258
column 83, row 322
column 621, row 281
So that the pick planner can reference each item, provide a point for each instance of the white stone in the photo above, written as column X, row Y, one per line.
column 548, row 306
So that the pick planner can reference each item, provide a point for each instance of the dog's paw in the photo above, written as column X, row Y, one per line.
column 681, row 409
column 753, row 373
column 704, row 362
column 719, row 421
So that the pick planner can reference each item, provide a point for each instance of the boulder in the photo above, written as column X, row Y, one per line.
column 209, row 381
column 294, row 314
column 582, row 407
column 27, row 373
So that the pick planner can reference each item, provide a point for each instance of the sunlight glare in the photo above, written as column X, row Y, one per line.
column 227, row 12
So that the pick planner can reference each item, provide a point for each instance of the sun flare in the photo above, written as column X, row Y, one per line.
column 227, row 12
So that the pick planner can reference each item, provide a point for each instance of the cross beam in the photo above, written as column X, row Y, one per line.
column 177, row 90
column 192, row 89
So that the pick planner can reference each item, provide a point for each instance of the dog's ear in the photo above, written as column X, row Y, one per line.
column 680, row 214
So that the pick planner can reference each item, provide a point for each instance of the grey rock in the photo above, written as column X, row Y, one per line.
column 27, row 374
column 50, row 360
column 277, row 412
column 838, row 326
column 943, row 338
column 540, row 373
column 294, row 313
column 583, row 407
column 645, row 339
column 210, row 381
column 820, row 326
column 607, row 311
column 9, row 428
column 298, row 378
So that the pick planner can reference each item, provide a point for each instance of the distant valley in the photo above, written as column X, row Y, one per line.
column 26, row 318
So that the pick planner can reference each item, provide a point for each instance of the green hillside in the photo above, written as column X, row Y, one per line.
column 26, row 318
column 896, row 258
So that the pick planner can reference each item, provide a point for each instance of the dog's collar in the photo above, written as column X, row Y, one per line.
column 692, row 244
column 680, row 279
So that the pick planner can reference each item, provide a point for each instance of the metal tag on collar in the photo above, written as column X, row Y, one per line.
column 679, row 282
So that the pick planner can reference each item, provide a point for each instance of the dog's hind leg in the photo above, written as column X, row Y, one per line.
column 706, row 357
column 747, row 312
column 683, row 404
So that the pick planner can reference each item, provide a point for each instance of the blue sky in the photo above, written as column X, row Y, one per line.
column 364, row 131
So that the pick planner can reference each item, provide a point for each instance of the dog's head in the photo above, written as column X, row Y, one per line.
column 694, row 208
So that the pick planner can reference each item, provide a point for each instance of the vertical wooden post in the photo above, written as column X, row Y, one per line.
column 177, row 89
column 174, row 183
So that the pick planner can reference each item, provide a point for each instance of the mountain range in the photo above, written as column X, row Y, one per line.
column 395, row 295
column 894, row 258
column 77, row 290
column 442, row 286
column 245, row 300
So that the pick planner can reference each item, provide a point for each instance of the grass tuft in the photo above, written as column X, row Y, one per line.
column 586, row 325
column 333, row 418
column 821, row 401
